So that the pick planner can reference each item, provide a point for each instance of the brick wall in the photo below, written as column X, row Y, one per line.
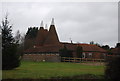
column 42, row 57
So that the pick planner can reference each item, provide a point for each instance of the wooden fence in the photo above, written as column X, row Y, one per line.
column 77, row 60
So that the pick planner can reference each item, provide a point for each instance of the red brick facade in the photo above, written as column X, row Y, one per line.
column 42, row 57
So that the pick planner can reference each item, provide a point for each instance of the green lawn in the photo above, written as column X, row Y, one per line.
column 37, row 70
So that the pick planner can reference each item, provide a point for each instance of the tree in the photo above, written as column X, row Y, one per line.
column 112, row 71
column 64, row 52
column 118, row 45
column 19, row 39
column 10, row 59
column 32, row 32
column 106, row 47
column 30, row 37
column 79, row 51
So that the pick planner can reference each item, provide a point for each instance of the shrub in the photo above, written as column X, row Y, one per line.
column 113, row 68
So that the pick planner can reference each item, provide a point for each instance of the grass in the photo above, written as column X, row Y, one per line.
column 46, row 70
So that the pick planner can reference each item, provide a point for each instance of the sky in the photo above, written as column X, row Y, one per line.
column 81, row 22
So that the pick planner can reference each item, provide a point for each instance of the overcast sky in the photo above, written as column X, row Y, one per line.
column 81, row 21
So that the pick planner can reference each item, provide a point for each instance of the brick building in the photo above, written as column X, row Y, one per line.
column 93, row 51
column 47, row 46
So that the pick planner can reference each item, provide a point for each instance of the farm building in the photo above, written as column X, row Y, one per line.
column 93, row 51
column 46, row 47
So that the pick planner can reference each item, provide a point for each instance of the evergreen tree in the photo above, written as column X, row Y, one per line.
column 10, row 59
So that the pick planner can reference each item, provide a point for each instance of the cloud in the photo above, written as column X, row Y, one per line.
column 81, row 21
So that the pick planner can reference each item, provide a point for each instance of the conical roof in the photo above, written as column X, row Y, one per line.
column 52, row 37
column 41, row 36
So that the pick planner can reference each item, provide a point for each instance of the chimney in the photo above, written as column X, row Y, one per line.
column 52, row 23
column 46, row 27
column 41, row 25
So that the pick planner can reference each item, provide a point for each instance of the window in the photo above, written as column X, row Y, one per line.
column 57, row 54
column 83, row 55
column 90, row 55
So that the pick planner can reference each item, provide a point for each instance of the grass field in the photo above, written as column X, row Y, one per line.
column 46, row 70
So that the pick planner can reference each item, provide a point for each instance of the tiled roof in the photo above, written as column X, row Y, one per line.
column 46, row 48
column 52, row 37
column 90, row 47
column 50, row 48
column 41, row 36
column 70, row 46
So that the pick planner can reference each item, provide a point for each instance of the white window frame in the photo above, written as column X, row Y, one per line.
column 83, row 55
column 90, row 54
